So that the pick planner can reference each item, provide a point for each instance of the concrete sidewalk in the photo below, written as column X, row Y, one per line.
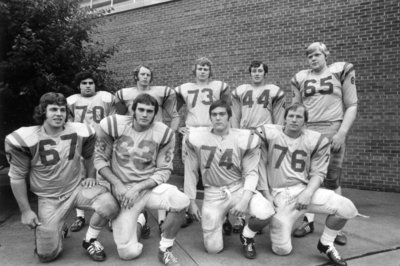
column 372, row 241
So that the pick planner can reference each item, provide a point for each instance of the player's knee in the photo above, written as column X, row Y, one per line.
column 130, row 251
column 346, row 208
column 48, row 244
column 106, row 206
column 282, row 250
column 333, row 177
column 47, row 256
column 280, row 231
column 213, row 241
column 178, row 201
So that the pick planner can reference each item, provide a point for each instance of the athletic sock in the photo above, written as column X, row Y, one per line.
column 166, row 243
column 247, row 232
column 328, row 236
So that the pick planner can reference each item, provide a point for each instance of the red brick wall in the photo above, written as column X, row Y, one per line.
column 170, row 36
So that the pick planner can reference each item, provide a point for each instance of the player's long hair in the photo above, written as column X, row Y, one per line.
column 147, row 99
column 294, row 107
column 223, row 104
column 82, row 76
column 136, row 73
column 203, row 61
column 257, row 64
column 39, row 114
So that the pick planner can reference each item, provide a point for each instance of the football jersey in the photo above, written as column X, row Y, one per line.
column 328, row 94
column 52, row 162
column 222, row 161
column 90, row 110
column 164, row 95
column 256, row 106
column 198, row 99
column 293, row 161
column 135, row 156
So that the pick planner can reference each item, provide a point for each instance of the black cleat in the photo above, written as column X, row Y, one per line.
column 227, row 227
column 78, row 224
column 94, row 249
column 304, row 229
column 249, row 250
column 145, row 233
column 341, row 239
column 332, row 254
column 188, row 221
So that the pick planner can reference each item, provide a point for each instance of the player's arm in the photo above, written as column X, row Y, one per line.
column 170, row 107
column 87, row 154
column 295, row 88
column 119, row 105
column 19, row 161
column 191, row 178
column 102, row 158
column 350, row 109
column 236, row 110
column 249, row 167
column 226, row 93
column 318, row 169
column 278, row 107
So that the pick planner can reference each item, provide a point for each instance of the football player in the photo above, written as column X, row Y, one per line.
column 88, row 107
column 50, row 154
column 198, row 96
column 227, row 159
column 254, row 105
column 134, row 153
column 297, row 160
column 166, row 99
column 329, row 94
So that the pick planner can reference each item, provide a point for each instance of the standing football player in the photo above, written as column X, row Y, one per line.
column 88, row 107
column 198, row 96
column 50, row 154
column 134, row 153
column 227, row 159
column 297, row 160
column 254, row 105
column 329, row 94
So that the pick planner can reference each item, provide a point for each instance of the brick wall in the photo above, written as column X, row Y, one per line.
column 170, row 36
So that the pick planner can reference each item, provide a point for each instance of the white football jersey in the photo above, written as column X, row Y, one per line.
column 52, row 162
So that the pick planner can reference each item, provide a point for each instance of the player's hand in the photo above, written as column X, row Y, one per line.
column 194, row 212
column 303, row 200
column 30, row 219
column 183, row 130
column 130, row 197
column 337, row 141
column 240, row 208
column 88, row 182
column 120, row 191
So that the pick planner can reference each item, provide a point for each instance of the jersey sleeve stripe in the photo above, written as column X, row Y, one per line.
column 250, row 141
column 317, row 146
column 295, row 83
column 347, row 69
column 166, row 138
column 166, row 94
column 18, row 139
column 114, row 125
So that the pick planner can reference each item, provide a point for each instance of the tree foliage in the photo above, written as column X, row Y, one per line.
column 47, row 43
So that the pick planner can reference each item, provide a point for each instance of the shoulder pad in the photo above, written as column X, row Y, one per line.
column 113, row 125
column 24, row 136
column 106, row 96
column 301, row 75
column 240, row 90
column 81, row 129
column 72, row 99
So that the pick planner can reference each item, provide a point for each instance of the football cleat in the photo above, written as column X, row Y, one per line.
column 239, row 225
column 160, row 226
column 341, row 239
column 167, row 258
column 78, row 224
column 332, row 254
column 145, row 233
column 304, row 229
column 187, row 222
column 227, row 227
column 249, row 250
column 94, row 249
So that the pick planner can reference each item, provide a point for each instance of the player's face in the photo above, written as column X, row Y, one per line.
column 144, row 76
column 144, row 115
column 88, row 88
column 257, row 74
column 202, row 72
column 317, row 60
column 295, row 120
column 55, row 116
column 220, row 119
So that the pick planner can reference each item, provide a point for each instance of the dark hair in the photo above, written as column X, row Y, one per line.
column 203, row 61
column 147, row 99
column 39, row 114
column 223, row 104
column 84, row 75
column 136, row 73
column 257, row 64
column 294, row 107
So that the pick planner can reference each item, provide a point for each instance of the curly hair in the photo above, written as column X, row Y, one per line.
column 85, row 75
